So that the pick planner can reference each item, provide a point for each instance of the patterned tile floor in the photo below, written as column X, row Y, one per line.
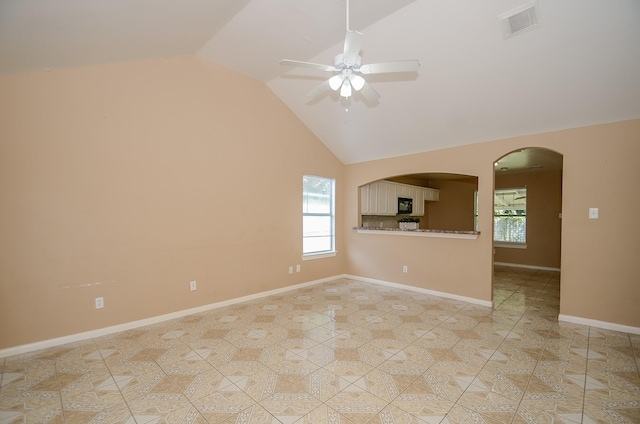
column 341, row 352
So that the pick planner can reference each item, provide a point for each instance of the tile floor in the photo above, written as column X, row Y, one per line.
column 341, row 352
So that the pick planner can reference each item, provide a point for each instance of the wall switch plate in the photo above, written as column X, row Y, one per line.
column 593, row 213
column 405, row 269
column 193, row 285
column 99, row 302
column 297, row 268
column 290, row 270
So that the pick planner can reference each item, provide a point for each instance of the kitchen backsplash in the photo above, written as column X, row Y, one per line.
column 374, row 221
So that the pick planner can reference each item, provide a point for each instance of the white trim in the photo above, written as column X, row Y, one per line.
column 599, row 324
column 154, row 320
column 418, row 233
column 542, row 268
column 311, row 256
column 17, row 350
column 31, row 347
column 487, row 303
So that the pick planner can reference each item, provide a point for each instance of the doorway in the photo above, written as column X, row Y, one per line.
column 527, row 224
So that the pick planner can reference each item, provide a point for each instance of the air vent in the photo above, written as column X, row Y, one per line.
column 520, row 20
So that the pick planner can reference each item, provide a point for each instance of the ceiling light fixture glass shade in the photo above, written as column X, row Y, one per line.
column 357, row 82
column 346, row 82
column 345, row 91
column 335, row 82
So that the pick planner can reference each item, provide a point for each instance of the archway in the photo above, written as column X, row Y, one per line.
column 527, row 224
column 452, row 208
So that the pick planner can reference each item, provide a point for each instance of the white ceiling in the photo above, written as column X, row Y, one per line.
column 581, row 67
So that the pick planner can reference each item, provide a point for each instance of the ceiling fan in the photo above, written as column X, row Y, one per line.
column 349, row 70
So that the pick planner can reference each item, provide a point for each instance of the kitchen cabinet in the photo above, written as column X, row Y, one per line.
column 381, row 197
column 418, row 202
column 365, row 208
column 387, row 199
column 431, row 194
column 378, row 198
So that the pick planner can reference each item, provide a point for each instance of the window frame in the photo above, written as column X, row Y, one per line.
column 509, row 243
column 476, row 211
column 317, row 254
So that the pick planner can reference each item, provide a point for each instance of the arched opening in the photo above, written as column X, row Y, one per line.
column 527, row 220
column 438, row 201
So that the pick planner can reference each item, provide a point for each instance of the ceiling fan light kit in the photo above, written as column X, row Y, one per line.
column 349, row 70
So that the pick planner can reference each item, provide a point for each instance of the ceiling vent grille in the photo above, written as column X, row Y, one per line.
column 520, row 20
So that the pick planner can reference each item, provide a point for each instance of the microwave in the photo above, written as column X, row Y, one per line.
column 405, row 206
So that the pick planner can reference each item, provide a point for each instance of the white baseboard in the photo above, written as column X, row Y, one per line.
column 542, row 268
column 31, row 347
column 599, row 324
column 17, row 350
column 487, row 303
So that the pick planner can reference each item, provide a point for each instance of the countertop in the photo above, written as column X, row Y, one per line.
column 420, row 232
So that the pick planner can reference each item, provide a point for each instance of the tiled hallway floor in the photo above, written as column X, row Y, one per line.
column 341, row 352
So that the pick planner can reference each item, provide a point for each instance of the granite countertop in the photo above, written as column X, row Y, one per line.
column 420, row 232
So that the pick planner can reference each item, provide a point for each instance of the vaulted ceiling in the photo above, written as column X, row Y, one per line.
column 580, row 67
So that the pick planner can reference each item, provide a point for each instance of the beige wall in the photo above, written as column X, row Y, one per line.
column 599, row 278
column 456, row 208
column 129, row 181
column 544, row 205
column 457, row 266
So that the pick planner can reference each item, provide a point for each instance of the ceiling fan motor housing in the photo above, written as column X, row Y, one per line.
column 338, row 62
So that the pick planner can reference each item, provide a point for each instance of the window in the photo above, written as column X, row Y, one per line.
column 318, row 218
column 510, row 216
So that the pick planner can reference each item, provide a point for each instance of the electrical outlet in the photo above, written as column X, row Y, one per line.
column 99, row 302
column 298, row 268
column 290, row 270
column 193, row 285
column 405, row 269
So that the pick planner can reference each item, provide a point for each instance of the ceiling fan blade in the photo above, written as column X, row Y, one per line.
column 369, row 92
column 352, row 44
column 319, row 90
column 299, row 64
column 388, row 67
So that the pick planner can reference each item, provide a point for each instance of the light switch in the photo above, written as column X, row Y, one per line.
column 593, row 213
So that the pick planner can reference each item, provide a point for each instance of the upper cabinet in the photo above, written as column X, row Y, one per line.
column 381, row 198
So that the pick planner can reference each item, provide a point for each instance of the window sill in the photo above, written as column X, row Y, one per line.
column 510, row 245
column 311, row 256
